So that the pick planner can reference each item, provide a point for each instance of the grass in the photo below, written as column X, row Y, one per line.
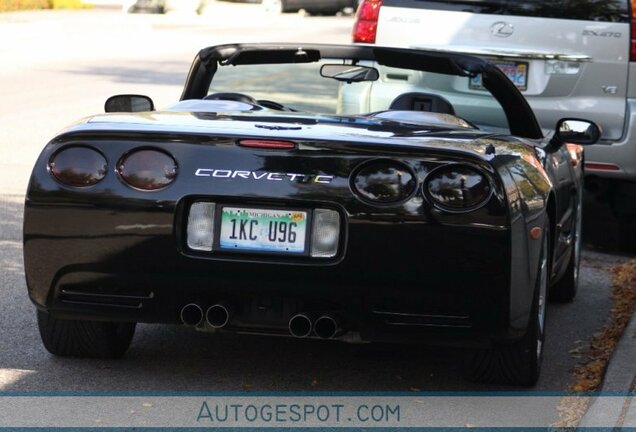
column 13, row 5
column 16, row 5
column 68, row 4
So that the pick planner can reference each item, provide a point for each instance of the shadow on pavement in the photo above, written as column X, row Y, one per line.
column 161, row 73
column 601, row 230
column 11, row 210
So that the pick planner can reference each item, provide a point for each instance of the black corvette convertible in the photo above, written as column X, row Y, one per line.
column 356, row 193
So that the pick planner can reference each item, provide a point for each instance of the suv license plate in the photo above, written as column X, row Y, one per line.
column 263, row 230
column 517, row 72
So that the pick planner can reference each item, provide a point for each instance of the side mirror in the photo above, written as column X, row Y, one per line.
column 128, row 103
column 575, row 131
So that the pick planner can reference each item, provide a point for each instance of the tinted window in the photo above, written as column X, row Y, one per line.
column 589, row 10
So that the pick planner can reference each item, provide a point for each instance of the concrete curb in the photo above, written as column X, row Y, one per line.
column 619, row 379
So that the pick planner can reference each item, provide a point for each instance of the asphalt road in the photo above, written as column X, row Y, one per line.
column 61, row 66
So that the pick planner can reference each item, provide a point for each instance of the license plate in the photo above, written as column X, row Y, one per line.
column 517, row 72
column 263, row 230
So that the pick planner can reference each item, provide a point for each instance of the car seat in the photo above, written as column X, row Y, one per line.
column 422, row 102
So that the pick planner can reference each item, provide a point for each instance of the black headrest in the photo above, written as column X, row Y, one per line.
column 422, row 102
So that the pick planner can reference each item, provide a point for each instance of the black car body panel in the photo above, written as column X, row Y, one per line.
column 406, row 271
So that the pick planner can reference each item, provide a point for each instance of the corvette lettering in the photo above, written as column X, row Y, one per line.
column 263, row 175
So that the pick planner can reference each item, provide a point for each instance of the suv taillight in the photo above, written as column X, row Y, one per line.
column 366, row 24
column 632, row 56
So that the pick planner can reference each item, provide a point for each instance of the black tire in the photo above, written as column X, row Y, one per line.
column 564, row 290
column 519, row 362
column 74, row 338
column 626, row 234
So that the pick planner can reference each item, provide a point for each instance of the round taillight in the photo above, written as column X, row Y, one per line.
column 78, row 166
column 457, row 187
column 384, row 182
column 147, row 169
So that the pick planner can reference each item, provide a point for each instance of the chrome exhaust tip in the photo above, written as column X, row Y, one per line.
column 326, row 327
column 300, row 325
column 191, row 314
column 218, row 315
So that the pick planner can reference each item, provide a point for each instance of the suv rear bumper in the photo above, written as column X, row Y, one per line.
column 620, row 156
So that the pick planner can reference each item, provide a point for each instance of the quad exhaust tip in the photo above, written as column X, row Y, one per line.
column 218, row 315
column 191, row 314
column 326, row 327
column 300, row 325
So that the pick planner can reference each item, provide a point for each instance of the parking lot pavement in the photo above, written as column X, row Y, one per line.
column 620, row 379
column 62, row 66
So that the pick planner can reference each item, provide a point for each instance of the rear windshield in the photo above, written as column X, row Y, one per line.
column 300, row 87
column 296, row 86
column 588, row 10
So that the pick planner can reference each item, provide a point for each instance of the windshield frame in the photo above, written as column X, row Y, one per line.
column 521, row 119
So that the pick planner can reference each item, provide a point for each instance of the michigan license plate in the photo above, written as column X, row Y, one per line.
column 263, row 230
column 517, row 72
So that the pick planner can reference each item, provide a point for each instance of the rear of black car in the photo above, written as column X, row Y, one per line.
column 173, row 221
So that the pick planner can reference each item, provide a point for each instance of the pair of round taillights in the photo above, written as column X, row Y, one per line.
column 143, row 169
column 454, row 187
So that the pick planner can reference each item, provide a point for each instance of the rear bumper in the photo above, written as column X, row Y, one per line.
column 397, row 283
column 620, row 155
column 440, row 309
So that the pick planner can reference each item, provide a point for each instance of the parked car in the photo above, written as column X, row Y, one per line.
column 567, row 58
column 311, row 6
column 143, row 6
column 162, row 6
column 253, row 206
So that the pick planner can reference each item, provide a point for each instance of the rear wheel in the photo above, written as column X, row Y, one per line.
column 565, row 289
column 74, row 338
column 519, row 362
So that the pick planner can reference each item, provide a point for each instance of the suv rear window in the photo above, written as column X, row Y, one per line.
column 587, row 10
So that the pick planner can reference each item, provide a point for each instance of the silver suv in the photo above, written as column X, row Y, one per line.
column 570, row 58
